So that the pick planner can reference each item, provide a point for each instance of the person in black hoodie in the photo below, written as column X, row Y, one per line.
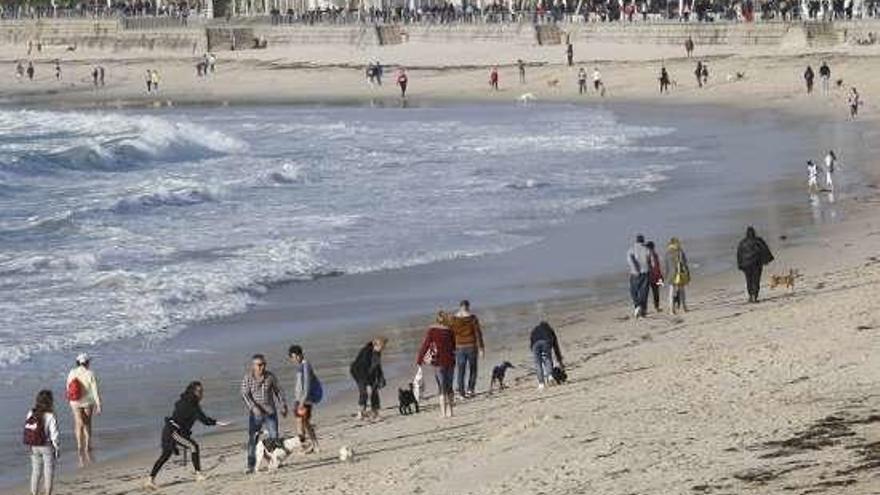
column 751, row 256
column 178, row 431
column 542, row 341
column 367, row 373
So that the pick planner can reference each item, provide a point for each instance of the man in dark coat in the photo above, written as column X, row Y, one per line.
column 367, row 373
column 751, row 256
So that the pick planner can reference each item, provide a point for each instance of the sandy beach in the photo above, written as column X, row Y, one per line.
column 778, row 397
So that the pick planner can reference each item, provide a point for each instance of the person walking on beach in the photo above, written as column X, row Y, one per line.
column 307, row 391
column 438, row 350
column 148, row 79
column 698, row 72
column 57, row 70
column 522, row 70
column 43, row 441
column 379, row 71
column 177, row 431
column 678, row 275
column 830, row 164
column 367, row 373
column 101, row 73
column 402, row 81
column 582, row 81
column 809, row 76
column 812, row 176
column 543, row 342
column 598, row 85
column 569, row 53
column 263, row 396
column 469, row 347
column 704, row 73
column 664, row 80
column 95, row 77
column 639, row 261
column 689, row 46
column 825, row 76
column 655, row 276
column 854, row 102
column 85, row 403
column 30, row 71
column 154, row 76
column 751, row 256
column 493, row 78
column 19, row 70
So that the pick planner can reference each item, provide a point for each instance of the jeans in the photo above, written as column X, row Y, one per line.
column 638, row 291
column 42, row 468
column 371, row 396
column 444, row 379
column 543, row 360
column 753, row 281
column 255, row 424
column 466, row 362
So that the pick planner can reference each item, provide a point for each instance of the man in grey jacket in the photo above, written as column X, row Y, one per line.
column 639, row 260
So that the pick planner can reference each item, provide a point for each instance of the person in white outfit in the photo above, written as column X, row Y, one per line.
column 41, row 435
column 812, row 176
column 85, row 402
column 830, row 163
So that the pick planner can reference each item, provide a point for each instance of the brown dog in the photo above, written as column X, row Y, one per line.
column 786, row 281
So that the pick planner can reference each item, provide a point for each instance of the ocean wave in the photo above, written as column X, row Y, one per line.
column 172, row 193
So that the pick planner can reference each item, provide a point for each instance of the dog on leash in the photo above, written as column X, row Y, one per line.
column 272, row 452
column 407, row 399
column 786, row 280
column 498, row 374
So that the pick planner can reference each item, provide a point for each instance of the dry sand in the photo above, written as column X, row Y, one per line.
column 778, row 397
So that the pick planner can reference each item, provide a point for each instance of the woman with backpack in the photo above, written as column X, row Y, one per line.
column 678, row 275
column 85, row 403
column 438, row 350
column 307, row 391
column 177, row 432
column 41, row 435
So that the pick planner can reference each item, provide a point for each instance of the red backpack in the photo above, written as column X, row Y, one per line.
column 74, row 390
column 34, row 432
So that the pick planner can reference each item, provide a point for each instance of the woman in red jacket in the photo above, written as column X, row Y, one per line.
column 438, row 350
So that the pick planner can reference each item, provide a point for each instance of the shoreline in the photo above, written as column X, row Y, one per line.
column 605, row 314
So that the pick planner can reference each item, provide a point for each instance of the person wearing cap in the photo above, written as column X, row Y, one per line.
column 85, row 402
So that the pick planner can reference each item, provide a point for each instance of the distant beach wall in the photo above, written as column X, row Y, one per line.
column 172, row 35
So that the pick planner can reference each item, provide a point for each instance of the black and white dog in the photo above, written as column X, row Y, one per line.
column 407, row 399
column 498, row 374
column 272, row 452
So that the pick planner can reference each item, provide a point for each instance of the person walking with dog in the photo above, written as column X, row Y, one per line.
column 438, row 350
column 84, row 398
column 43, row 440
column 367, row 373
column 177, row 432
column 469, row 347
column 307, row 391
column 639, row 261
column 678, row 275
column 264, row 399
column 543, row 344
column 751, row 256
column 655, row 276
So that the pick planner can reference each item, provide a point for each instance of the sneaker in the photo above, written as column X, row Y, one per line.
column 151, row 485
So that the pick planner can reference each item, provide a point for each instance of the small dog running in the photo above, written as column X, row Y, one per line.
column 407, row 399
column 498, row 374
column 272, row 452
column 786, row 281
column 559, row 375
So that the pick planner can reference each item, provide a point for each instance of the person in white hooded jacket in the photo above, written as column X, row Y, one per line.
column 85, row 402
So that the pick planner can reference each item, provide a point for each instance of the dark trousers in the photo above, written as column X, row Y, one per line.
column 466, row 363
column 638, row 291
column 171, row 441
column 655, row 293
column 367, row 392
column 753, row 281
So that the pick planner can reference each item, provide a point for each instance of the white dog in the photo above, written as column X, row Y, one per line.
column 272, row 452
column 346, row 454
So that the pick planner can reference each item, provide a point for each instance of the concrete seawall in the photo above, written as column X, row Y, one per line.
column 116, row 36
